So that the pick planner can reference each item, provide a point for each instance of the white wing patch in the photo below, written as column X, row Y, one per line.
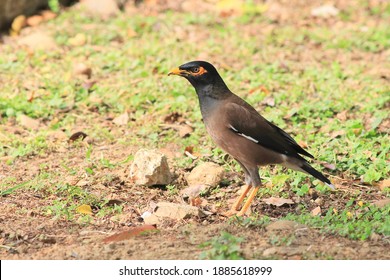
column 243, row 135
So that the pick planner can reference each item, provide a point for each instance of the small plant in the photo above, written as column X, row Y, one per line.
column 251, row 222
column 281, row 240
column 223, row 247
column 54, row 5
column 172, row 189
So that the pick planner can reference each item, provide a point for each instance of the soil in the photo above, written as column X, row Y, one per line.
column 29, row 231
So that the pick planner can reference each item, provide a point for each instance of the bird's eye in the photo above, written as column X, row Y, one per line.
column 195, row 70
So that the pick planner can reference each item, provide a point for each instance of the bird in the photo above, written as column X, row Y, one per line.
column 238, row 129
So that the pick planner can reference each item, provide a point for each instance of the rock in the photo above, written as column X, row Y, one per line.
column 176, row 211
column 151, row 220
column 38, row 41
column 325, row 11
column 284, row 225
column 150, row 167
column 102, row 8
column 207, row 173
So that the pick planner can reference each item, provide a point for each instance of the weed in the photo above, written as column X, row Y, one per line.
column 223, row 247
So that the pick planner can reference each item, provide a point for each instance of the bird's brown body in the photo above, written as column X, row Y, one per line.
column 245, row 151
column 241, row 131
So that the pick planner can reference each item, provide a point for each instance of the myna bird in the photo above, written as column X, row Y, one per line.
column 241, row 131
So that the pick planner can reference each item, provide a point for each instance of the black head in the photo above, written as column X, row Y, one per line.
column 199, row 74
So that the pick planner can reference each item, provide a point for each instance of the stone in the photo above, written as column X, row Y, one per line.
column 38, row 41
column 207, row 173
column 151, row 220
column 176, row 211
column 150, row 167
column 102, row 8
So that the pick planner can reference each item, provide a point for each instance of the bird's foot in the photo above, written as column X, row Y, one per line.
column 230, row 213
column 239, row 213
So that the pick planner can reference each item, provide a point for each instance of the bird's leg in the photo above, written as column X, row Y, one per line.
column 248, row 202
column 236, row 205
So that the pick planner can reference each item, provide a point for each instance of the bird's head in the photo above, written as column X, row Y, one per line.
column 198, row 73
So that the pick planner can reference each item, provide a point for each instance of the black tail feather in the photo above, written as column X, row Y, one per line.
column 306, row 167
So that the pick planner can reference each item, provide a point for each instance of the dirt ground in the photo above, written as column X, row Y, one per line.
column 36, row 236
column 27, row 232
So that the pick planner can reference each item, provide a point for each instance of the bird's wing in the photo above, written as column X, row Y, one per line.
column 247, row 122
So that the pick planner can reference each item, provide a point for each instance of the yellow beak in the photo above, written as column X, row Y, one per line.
column 176, row 71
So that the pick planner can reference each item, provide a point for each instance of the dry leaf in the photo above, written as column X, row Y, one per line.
column 230, row 7
column 79, row 40
column 84, row 209
column 124, row 235
column 173, row 118
column 17, row 24
column 121, row 119
column 268, row 101
column 316, row 211
column 382, row 203
column 88, row 84
column 185, row 130
column 131, row 33
column 384, row 184
column 261, row 88
column 303, row 144
column 189, row 152
column 342, row 116
column 329, row 166
column 78, row 135
column 337, row 133
column 28, row 122
column 277, row 201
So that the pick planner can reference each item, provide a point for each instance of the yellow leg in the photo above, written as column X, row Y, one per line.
column 236, row 205
column 248, row 202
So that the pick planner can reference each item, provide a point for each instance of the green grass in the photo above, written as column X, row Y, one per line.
column 355, row 222
column 309, row 71
column 223, row 247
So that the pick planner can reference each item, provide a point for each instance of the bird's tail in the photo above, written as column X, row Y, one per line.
column 309, row 169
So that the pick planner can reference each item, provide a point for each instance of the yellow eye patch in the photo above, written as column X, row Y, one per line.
column 201, row 71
